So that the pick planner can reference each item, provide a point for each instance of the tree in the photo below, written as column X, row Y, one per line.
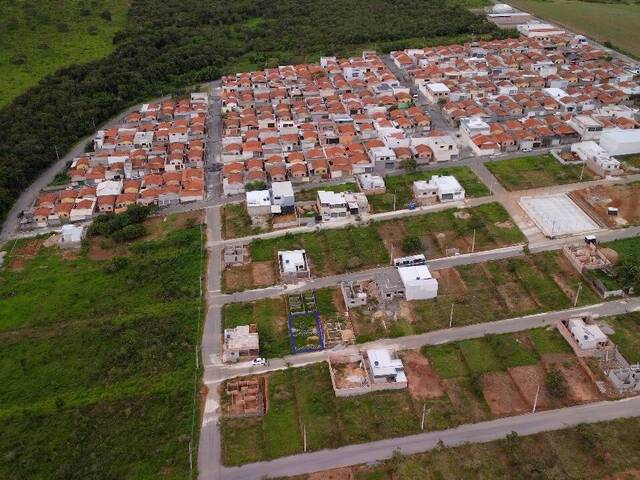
column 556, row 383
column 106, row 15
column 629, row 272
column 408, row 164
column 411, row 244
column 257, row 185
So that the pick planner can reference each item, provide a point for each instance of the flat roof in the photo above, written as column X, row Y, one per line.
column 282, row 189
column 258, row 198
column 557, row 215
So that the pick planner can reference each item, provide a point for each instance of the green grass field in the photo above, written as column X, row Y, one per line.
column 627, row 335
column 236, row 221
column 535, row 171
column 615, row 22
column 97, row 364
column 400, row 185
column 38, row 37
column 583, row 452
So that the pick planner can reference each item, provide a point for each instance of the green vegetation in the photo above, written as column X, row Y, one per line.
column 122, row 227
column 165, row 47
column 269, row 315
column 598, row 450
column 613, row 22
column 535, row 171
column 311, row 193
column 330, row 251
column 556, row 384
column 630, row 160
column 37, row 37
column 98, row 366
column 236, row 221
column 627, row 335
column 400, row 185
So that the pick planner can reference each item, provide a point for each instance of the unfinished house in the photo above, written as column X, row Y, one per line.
column 385, row 367
column 245, row 397
column 353, row 294
column 586, row 257
column 241, row 343
column 293, row 265
column 370, row 184
column 234, row 255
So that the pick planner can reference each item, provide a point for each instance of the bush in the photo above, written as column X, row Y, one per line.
column 411, row 244
column 129, row 233
column 62, row 27
column 92, row 30
column 106, row 15
column 556, row 384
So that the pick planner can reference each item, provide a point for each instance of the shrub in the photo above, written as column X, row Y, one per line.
column 92, row 30
column 129, row 233
column 411, row 244
column 556, row 384
column 62, row 27
column 106, row 15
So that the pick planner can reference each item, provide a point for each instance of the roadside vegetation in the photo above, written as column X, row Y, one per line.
column 98, row 366
column 536, row 171
column 400, row 186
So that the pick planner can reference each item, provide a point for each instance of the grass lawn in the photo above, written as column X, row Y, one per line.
column 627, row 335
column 236, row 221
column 401, row 186
column 97, row 362
column 535, row 171
column 615, row 22
column 32, row 44
column 311, row 193
column 626, row 248
column 329, row 251
column 577, row 453
column 630, row 160
column 270, row 316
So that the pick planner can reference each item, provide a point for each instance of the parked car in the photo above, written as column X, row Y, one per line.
column 259, row 361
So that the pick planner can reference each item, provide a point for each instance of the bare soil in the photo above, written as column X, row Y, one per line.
column 336, row 474
column 422, row 378
column 527, row 379
column 392, row 234
column 515, row 297
column 632, row 474
column 626, row 198
column 581, row 388
column 263, row 274
column 466, row 404
column 237, row 278
column 349, row 375
column 502, row 394
column 450, row 282
column 405, row 311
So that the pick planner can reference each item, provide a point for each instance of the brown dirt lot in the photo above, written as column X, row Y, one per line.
column 423, row 380
column 98, row 249
column 516, row 298
column 450, row 282
column 263, row 274
column 527, row 379
column 502, row 395
column 157, row 227
column 392, row 234
column 624, row 197
column 337, row 474
column 581, row 388
column 237, row 278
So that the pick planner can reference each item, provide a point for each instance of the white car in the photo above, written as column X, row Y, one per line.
column 259, row 361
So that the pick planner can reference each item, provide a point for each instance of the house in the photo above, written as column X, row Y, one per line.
column 586, row 336
column 293, row 265
column 353, row 294
column 234, row 255
column 109, row 187
column 82, row 210
column 282, row 195
column 370, row 184
column 385, row 367
column 418, row 282
column 71, row 236
column 107, row 203
column 258, row 203
column 424, row 193
column 588, row 127
column 443, row 146
column 241, row 343
column 435, row 92
column 449, row 189
column 597, row 159
column 336, row 206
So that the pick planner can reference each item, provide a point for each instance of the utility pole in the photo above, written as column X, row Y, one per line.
column 575, row 300
column 451, row 316
column 473, row 241
column 304, row 436
column 394, row 200
column 535, row 400
column 57, row 155
column 582, row 171
column 424, row 411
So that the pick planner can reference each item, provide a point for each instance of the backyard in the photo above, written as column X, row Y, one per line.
column 535, row 171
column 401, row 187
column 97, row 359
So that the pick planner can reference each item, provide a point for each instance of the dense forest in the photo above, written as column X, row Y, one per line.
column 169, row 44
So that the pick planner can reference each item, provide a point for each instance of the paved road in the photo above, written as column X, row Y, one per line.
column 479, row 432
column 437, row 337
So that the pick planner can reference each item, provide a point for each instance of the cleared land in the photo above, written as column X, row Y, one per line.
column 626, row 198
column 38, row 37
column 483, row 293
column 236, row 221
column 588, row 451
column 535, row 171
column 97, row 362
column 400, row 186
column 614, row 22
column 627, row 335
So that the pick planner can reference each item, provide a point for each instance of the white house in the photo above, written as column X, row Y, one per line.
column 418, row 282
column 109, row 187
column 282, row 195
column 71, row 236
column 293, row 264
column 596, row 158
column 621, row 142
column 241, row 343
column 337, row 206
column 424, row 193
column 435, row 92
column 444, row 147
column 586, row 336
column 588, row 127
column 258, row 203
column 449, row 189
column 384, row 367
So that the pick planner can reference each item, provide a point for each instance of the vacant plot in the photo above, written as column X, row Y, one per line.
column 535, row 171
column 422, row 378
column 97, row 360
column 627, row 335
column 39, row 37
column 580, row 387
column 400, row 186
column 615, row 22
column 269, row 315
column 502, row 394
column 632, row 161
column 587, row 451
column 250, row 275
column 626, row 198
column 329, row 251
column 236, row 221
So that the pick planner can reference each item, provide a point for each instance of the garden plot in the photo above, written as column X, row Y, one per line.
column 626, row 198
column 303, row 322
column 558, row 216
